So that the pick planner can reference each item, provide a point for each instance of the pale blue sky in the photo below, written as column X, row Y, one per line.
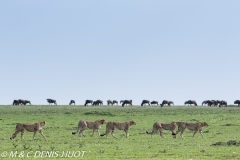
column 138, row 49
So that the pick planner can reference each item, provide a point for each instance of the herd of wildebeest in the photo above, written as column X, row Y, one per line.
column 210, row 103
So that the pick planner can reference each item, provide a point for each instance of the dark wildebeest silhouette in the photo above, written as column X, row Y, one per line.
column 216, row 102
column 167, row 103
column 154, row 102
column 127, row 102
column 71, row 102
column 145, row 102
column 190, row 102
column 15, row 102
column 109, row 102
column 23, row 102
column 20, row 101
column 115, row 102
column 27, row 102
column 94, row 103
column 87, row 102
column 237, row 102
column 210, row 103
column 223, row 103
column 207, row 102
column 97, row 102
column 50, row 101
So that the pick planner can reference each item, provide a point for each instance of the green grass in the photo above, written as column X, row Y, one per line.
column 222, row 136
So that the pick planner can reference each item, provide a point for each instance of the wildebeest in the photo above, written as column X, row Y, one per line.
column 27, row 102
column 127, row 102
column 20, row 101
column 216, row 102
column 50, row 101
column 87, row 102
column 237, row 102
column 115, row 102
column 94, row 103
column 121, row 102
column 145, row 102
column 97, row 102
column 71, row 102
column 223, row 103
column 15, row 102
column 208, row 102
column 205, row 102
column 167, row 103
column 154, row 102
column 109, row 102
column 23, row 102
column 190, row 102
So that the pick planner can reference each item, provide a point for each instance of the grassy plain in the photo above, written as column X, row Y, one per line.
column 62, row 121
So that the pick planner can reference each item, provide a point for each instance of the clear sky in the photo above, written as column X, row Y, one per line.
column 137, row 49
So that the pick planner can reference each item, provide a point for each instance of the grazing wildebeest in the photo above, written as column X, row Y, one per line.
column 27, row 102
column 216, row 102
column 144, row 102
column 23, row 102
column 223, row 103
column 94, row 103
column 207, row 102
column 237, row 102
column 97, row 103
column 127, row 102
column 166, row 102
column 15, row 102
column 154, row 102
column 190, row 102
column 109, row 102
column 71, row 102
column 115, row 102
column 50, row 101
column 121, row 102
column 20, row 101
column 87, row 102
column 210, row 103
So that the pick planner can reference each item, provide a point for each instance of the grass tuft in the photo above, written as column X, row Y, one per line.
column 229, row 143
